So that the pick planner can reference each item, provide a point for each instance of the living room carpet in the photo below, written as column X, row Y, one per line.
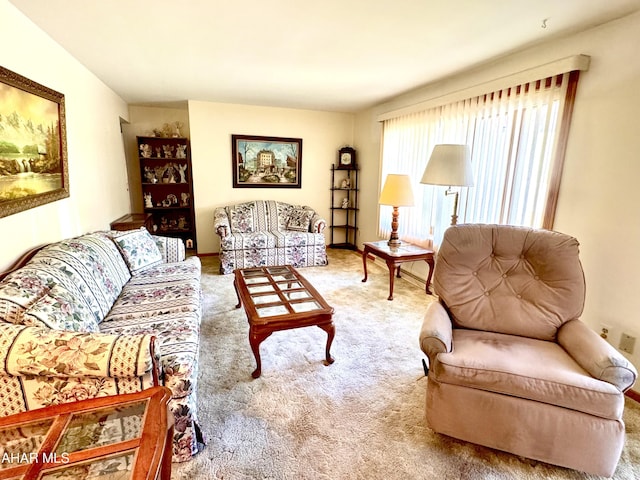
column 360, row 418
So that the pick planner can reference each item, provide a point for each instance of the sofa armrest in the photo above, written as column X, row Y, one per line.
column 42, row 352
column 317, row 223
column 172, row 249
column 221, row 223
column 596, row 356
column 436, row 335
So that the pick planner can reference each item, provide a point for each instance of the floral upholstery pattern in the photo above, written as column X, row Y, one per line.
column 138, row 249
column 75, row 323
column 59, row 310
column 171, row 250
column 282, row 234
column 241, row 217
column 90, row 267
column 299, row 219
column 54, row 367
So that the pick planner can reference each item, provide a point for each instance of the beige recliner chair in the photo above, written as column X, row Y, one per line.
column 511, row 365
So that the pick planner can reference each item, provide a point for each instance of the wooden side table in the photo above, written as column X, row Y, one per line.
column 394, row 256
column 123, row 436
column 133, row 221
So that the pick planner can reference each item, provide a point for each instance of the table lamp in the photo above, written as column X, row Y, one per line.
column 449, row 165
column 397, row 192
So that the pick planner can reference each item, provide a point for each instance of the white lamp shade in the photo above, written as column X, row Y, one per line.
column 449, row 165
column 397, row 191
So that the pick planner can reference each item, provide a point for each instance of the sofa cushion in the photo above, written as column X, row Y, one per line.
column 142, row 301
column 89, row 267
column 60, row 310
column 248, row 241
column 138, row 248
column 299, row 219
column 510, row 365
column 177, row 342
column 241, row 217
column 298, row 239
column 169, row 272
column 19, row 290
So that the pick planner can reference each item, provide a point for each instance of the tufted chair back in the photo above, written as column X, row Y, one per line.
column 508, row 279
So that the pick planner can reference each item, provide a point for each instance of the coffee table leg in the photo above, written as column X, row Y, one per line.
column 255, row 339
column 237, row 294
column 331, row 332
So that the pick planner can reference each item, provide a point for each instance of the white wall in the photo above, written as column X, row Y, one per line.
column 599, row 198
column 212, row 125
column 98, row 181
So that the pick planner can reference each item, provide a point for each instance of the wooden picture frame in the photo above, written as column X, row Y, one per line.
column 266, row 162
column 34, row 168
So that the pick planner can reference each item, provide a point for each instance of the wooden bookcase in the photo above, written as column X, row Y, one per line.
column 167, row 186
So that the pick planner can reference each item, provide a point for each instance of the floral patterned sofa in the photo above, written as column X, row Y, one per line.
column 103, row 314
column 266, row 232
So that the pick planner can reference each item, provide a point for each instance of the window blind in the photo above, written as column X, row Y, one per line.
column 517, row 137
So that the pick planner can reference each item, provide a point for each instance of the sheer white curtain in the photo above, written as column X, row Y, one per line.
column 514, row 137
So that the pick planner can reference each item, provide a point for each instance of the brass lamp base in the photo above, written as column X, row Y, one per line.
column 454, row 217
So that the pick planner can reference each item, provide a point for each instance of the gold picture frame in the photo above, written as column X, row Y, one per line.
column 34, row 167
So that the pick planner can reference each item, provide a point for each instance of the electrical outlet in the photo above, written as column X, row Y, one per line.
column 627, row 343
column 605, row 331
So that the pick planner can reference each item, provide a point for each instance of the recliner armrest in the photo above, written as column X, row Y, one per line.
column 437, row 334
column 596, row 356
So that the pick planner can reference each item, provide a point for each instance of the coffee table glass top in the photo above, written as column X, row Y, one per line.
column 279, row 290
column 102, row 427
column 117, row 467
column 15, row 442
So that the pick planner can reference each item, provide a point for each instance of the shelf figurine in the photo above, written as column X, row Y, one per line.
column 145, row 150
column 150, row 175
column 182, row 170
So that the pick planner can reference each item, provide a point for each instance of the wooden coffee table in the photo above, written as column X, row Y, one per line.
column 394, row 256
column 123, row 436
column 279, row 298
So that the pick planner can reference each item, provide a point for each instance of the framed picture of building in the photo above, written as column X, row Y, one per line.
column 266, row 162
column 33, row 144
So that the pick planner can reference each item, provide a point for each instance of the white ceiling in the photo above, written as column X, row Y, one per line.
column 336, row 55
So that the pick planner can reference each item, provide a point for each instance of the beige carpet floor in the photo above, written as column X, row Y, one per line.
column 360, row 418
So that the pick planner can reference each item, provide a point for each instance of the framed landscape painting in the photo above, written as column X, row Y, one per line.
column 266, row 162
column 33, row 144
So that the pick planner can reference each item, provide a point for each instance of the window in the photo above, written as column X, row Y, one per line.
column 517, row 137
